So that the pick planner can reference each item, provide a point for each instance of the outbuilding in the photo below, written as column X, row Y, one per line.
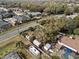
column 11, row 20
column 47, row 46
column 34, row 51
column 37, row 43
column 4, row 25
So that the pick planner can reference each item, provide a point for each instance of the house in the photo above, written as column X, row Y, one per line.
column 71, row 43
column 47, row 46
column 7, row 15
column 12, row 21
column 37, row 43
column 33, row 14
column 4, row 25
column 2, row 8
column 34, row 51
column 18, row 13
column 22, row 18
column 12, row 55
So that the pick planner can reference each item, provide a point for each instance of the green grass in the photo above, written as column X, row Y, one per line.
column 7, row 49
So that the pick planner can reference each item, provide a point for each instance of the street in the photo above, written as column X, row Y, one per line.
column 14, row 32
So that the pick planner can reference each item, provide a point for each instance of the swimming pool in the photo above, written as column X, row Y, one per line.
column 67, row 54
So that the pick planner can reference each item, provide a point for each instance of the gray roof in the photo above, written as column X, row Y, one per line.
column 12, row 55
column 34, row 13
column 2, row 23
column 22, row 17
column 0, row 19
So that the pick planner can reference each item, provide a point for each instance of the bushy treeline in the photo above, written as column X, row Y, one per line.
column 53, row 26
column 52, row 7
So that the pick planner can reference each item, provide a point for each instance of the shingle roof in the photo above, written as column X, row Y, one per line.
column 3, row 23
column 74, row 43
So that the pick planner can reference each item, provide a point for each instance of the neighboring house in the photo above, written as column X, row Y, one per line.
column 33, row 14
column 2, row 8
column 12, row 55
column 4, row 25
column 2, row 11
column 34, row 51
column 26, row 11
column 12, row 21
column 37, row 43
column 47, row 46
column 18, row 13
column 22, row 18
column 71, row 43
column 7, row 15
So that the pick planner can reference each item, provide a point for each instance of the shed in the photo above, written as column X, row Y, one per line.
column 37, row 43
column 47, row 46
column 33, row 50
column 11, row 21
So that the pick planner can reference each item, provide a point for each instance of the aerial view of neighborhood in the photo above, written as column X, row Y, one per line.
column 39, row 29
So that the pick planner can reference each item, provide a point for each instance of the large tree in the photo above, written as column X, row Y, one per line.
column 55, row 57
column 76, row 31
column 69, row 11
column 76, row 9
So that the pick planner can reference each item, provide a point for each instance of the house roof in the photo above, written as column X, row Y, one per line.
column 34, row 13
column 2, row 23
column 36, row 42
column 12, row 55
column 10, row 19
column 18, row 12
column 2, row 8
column 33, row 50
column 72, row 43
column 47, row 46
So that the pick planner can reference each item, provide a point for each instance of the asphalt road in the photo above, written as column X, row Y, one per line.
column 15, row 31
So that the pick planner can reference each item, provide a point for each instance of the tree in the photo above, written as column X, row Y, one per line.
column 52, row 26
column 55, row 8
column 55, row 57
column 60, row 8
column 76, row 31
column 20, row 44
column 69, row 11
column 33, row 6
column 76, row 9
column 76, row 19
